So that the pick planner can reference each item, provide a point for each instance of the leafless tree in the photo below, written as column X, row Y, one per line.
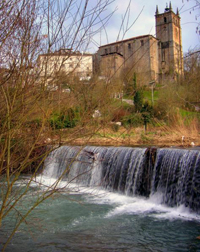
column 29, row 28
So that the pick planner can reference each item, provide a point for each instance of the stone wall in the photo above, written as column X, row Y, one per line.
column 140, row 55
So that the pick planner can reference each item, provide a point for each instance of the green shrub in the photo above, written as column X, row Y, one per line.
column 64, row 119
column 134, row 120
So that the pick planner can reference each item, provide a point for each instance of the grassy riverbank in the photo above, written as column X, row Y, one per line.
column 159, row 136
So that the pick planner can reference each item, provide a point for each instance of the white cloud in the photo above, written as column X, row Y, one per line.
column 145, row 24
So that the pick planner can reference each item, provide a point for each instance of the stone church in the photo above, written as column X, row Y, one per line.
column 153, row 59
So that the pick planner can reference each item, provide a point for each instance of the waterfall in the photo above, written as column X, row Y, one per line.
column 173, row 173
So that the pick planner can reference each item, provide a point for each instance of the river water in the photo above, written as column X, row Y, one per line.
column 92, row 219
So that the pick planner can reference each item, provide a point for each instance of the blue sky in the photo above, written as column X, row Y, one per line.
column 145, row 24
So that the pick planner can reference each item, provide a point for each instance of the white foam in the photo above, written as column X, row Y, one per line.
column 180, row 212
column 125, row 205
column 122, row 204
column 151, row 208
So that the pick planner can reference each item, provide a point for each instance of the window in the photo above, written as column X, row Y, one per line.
column 129, row 46
column 117, row 48
column 165, row 20
column 142, row 42
column 106, row 51
column 163, row 55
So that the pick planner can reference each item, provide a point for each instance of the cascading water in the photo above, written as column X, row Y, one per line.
column 172, row 173
column 110, row 199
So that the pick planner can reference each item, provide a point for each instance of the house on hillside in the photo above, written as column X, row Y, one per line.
column 67, row 62
column 152, row 58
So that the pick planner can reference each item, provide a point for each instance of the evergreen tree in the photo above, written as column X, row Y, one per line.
column 138, row 95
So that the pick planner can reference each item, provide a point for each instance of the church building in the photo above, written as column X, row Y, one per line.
column 151, row 58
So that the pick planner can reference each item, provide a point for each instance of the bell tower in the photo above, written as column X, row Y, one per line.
column 168, row 32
